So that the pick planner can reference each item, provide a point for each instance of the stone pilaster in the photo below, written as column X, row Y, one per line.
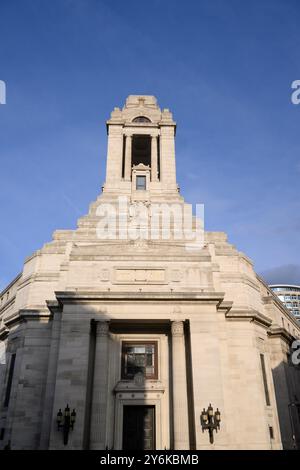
column 154, row 158
column 180, row 406
column 128, row 159
column 168, row 168
column 98, row 439
column 114, row 157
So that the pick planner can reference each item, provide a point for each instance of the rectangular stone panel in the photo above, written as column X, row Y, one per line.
column 140, row 276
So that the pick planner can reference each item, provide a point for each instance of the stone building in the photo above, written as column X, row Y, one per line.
column 139, row 334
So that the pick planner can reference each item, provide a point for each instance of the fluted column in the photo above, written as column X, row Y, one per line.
column 154, row 158
column 100, row 387
column 128, row 152
column 180, row 406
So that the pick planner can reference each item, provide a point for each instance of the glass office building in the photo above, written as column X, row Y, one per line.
column 290, row 296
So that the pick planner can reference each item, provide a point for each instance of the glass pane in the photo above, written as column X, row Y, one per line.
column 149, row 360
column 141, row 182
column 139, row 358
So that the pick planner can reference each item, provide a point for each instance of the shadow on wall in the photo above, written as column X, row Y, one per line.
column 117, row 374
column 124, row 355
column 286, row 379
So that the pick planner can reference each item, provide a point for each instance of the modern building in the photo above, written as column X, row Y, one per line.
column 289, row 296
column 139, row 334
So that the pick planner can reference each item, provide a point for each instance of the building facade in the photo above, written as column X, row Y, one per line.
column 289, row 296
column 139, row 334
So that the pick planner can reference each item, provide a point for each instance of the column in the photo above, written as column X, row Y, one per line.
column 168, row 167
column 180, row 406
column 154, row 158
column 128, row 152
column 114, row 157
column 100, row 387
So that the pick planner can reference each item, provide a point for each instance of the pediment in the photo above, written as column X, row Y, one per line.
column 141, row 166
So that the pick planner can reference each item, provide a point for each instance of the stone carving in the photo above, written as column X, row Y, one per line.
column 139, row 379
column 102, row 328
column 104, row 275
column 138, row 276
column 176, row 275
column 177, row 328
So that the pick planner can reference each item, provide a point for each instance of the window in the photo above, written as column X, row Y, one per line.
column 9, row 380
column 264, row 374
column 141, row 183
column 141, row 150
column 139, row 357
column 141, row 119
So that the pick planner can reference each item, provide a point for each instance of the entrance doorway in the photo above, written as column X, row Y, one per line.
column 139, row 428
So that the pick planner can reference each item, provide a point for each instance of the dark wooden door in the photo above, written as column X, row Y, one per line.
column 139, row 428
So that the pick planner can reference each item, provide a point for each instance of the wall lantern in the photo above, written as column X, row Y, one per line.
column 65, row 422
column 210, row 420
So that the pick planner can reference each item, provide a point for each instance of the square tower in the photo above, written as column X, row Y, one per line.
column 141, row 150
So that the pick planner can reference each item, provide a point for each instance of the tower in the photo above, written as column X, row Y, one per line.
column 141, row 151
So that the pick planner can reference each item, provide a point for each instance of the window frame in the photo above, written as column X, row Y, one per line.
column 9, row 382
column 141, row 120
column 144, row 188
column 265, row 379
column 126, row 343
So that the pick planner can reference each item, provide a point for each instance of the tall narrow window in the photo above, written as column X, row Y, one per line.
column 158, row 157
column 123, row 156
column 263, row 368
column 9, row 380
column 141, row 150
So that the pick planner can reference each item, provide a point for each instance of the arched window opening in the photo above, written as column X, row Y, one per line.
column 141, row 119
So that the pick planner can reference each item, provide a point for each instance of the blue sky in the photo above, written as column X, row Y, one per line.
column 224, row 68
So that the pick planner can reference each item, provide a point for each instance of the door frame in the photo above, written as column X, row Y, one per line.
column 120, row 403
column 152, row 407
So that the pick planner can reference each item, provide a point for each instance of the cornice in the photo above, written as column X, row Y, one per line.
column 7, row 305
column 250, row 315
column 269, row 300
column 3, row 333
column 279, row 332
column 239, row 278
column 9, row 286
column 26, row 314
column 83, row 297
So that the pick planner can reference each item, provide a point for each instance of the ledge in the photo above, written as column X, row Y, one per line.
column 24, row 315
column 66, row 297
column 3, row 332
column 250, row 315
column 132, row 386
column 279, row 332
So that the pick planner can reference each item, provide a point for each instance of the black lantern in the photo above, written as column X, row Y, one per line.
column 210, row 420
column 66, row 421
